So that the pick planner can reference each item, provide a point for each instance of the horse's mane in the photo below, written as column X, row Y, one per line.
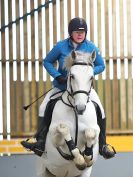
column 80, row 57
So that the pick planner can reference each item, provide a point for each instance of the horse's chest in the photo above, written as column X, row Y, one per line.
column 62, row 112
column 66, row 114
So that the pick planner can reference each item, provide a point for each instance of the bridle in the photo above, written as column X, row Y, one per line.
column 71, row 92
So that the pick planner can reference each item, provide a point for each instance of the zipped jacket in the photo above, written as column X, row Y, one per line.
column 61, row 50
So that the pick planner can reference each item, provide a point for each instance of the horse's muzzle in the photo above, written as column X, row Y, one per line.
column 80, row 109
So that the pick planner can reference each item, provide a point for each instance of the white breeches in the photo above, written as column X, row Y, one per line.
column 46, row 100
column 93, row 96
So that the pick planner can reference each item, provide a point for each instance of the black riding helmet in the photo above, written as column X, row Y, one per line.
column 77, row 24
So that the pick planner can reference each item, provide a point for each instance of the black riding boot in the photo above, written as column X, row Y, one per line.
column 103, row 147
column 43, row 127
column 38, row 146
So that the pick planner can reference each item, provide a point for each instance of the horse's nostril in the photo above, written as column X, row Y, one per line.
column 80, row 108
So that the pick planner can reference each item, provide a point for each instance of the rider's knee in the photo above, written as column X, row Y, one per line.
column 42, row 110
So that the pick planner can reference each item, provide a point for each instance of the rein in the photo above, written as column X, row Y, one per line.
column 76, row 116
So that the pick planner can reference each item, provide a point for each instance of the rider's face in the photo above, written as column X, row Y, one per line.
column 78, row 36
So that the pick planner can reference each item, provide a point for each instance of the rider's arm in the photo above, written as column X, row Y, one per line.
column 50, row 59
column 99, row 65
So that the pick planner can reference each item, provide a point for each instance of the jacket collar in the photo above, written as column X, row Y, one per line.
column 71, row 44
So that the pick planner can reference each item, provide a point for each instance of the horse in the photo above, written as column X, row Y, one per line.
column 72, row 141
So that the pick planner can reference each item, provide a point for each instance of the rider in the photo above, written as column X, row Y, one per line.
column 77, row 30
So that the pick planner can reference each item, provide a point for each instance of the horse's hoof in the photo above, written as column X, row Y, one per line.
column 79, row 160
column 81, row 167
column 88, row 160
column 90, row 163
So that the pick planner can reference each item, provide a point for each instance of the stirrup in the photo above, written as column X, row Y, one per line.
column 104, row 146
column 112, row 153
column 23, row 144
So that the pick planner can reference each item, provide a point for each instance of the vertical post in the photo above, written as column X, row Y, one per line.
column 36, row 42
column 14, row 41
column 58, row 19
column 118, row 39
column 21, row 39
column 95, row 26
column 125, row 39
column 88, row 18
column 65, row 19
column 7, row 71
column 72, row 9
column 80, row 8
column 103, row 35
column 44, row 39
column 50, row 28
column 58, row 33
column 110, row 40
column 131, row 9
column 29, row 42
column 1, row 100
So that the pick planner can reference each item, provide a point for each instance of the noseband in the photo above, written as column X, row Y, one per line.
column 72, row 93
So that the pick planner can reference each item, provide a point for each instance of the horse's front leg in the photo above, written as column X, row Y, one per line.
column 62, row 134
column 91, row 136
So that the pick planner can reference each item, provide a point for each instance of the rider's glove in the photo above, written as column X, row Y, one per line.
column 61, row 80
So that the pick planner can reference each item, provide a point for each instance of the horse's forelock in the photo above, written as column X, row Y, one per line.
column 80, row 57
column 68, row 62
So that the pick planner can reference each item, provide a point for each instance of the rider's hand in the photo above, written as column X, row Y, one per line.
column 61, row 80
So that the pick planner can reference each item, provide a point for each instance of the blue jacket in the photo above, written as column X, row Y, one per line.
column 63, row 49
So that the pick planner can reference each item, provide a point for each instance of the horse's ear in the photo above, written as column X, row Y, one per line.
column 73, row 54
column 93, row 55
